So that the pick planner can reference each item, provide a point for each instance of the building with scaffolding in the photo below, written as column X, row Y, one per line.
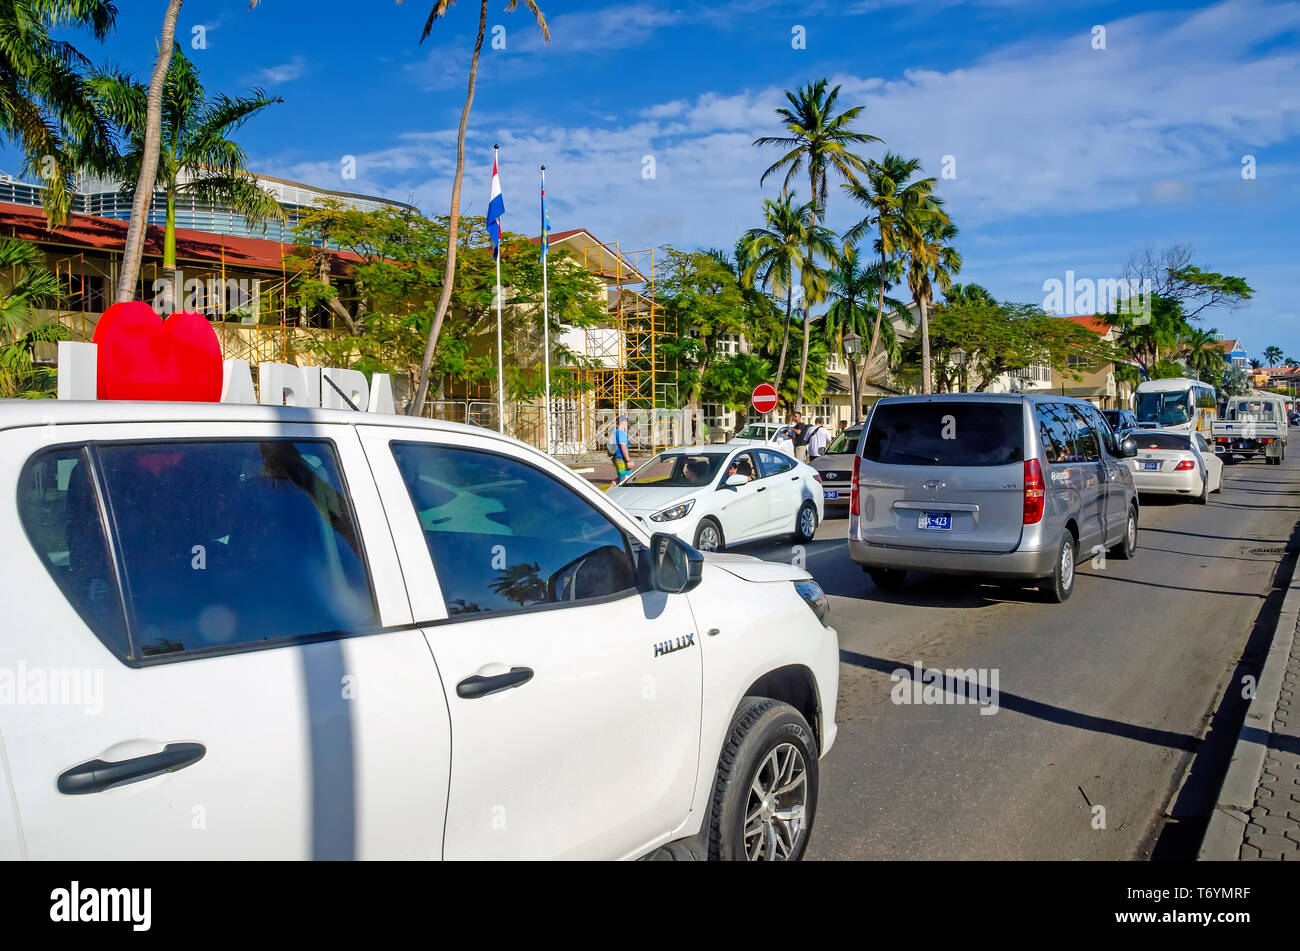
column 241, row 284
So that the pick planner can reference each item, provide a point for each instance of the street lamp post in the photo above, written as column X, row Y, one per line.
column 851, row 343
column 959, row 358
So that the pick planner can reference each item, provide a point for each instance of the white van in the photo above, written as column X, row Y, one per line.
column 239, row 632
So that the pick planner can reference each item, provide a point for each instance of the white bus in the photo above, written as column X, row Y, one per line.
column 1179, row 404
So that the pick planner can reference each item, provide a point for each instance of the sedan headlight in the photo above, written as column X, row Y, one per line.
column 815, row 598
column 673, row 513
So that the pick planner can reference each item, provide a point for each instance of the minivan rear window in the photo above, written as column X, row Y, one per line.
column 957, row 433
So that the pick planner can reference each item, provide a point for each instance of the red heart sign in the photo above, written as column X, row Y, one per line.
column 142, row 357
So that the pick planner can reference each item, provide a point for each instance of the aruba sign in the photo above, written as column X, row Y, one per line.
column 136, row 355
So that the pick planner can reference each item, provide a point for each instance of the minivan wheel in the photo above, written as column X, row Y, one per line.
column 708, row 535
column 765, row 794
column 1125, row 549
column 1061, row 585
column 805, row 525
column 890, row 579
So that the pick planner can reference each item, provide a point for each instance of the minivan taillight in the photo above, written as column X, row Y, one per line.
column 853, row 495
column 1035, row 492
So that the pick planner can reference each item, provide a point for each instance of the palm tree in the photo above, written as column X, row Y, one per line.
column 1203, row 354
column 198, row 159
column 821, row 140
column 1273, row 355
column 968, row 294
column 932, row 260
column 777, row 252
column 45, row 107
column 133, row 253
column 851, row 290
column 33, row 285
column 439, row 10
column 891, row 199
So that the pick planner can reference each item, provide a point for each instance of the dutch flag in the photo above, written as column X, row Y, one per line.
column 496, row 208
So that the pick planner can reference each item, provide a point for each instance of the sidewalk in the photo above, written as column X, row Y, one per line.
column 1257, row 815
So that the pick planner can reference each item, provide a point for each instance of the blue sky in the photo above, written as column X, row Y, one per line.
column 1066, row 157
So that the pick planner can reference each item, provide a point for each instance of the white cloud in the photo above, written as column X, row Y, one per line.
column 284, row 73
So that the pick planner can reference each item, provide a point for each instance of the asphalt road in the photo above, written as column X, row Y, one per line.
column 1107, row 700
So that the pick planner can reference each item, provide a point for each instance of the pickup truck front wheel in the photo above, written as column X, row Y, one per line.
column 765, row 794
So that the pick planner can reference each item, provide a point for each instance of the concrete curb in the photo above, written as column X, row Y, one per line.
column 1227, row 828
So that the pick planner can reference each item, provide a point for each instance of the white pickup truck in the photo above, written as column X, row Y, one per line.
column 257, row 632
column 1252, row 425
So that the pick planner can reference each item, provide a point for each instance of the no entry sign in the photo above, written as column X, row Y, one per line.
column 764, row 398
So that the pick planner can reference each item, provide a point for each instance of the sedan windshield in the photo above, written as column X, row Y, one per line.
column 677, row 470
column 845, row 443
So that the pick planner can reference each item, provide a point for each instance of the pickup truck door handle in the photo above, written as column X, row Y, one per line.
column 96, row 775
column 471, row 688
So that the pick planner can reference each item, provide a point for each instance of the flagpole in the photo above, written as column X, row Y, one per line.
column 546, row 316
column 501, row 367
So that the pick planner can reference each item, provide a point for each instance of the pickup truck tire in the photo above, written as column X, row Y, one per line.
column 1060, row 585
column 765, row 793
column 1128, row 545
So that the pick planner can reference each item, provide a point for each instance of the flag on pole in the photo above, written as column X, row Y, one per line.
column 496, row 208
column 546, row 219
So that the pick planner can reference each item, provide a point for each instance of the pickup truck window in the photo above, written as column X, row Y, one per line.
column 504, row 536
column 234, row 542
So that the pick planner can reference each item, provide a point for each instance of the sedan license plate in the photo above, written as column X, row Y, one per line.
column 1151, row 466
column 830, row 494
column 936, row 521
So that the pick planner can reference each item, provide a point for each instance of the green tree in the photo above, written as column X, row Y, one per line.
column 196, row 158
column 1234, row 382
column 25, row 285
column 821, row 141
column 1273, row 355
column 397, row 277
column 45, row 107
column 778, row 253
column 438, row 11
column 892, row 200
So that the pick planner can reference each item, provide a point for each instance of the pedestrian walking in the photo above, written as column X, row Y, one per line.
column 800, row 429
column 617, row 447
column 816, row 438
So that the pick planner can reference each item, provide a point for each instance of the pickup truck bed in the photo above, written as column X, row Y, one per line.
column 1248, row 438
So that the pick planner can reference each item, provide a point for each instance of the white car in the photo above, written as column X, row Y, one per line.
column 255, row 632
column 1170, row 463
column 715, row 496
column 774, row 435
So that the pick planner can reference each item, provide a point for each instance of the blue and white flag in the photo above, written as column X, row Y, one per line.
column 546, row 219
column 496, row 208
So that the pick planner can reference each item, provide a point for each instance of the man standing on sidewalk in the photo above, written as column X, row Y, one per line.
column 618, row 451
column 800, row 433
column 816, row 437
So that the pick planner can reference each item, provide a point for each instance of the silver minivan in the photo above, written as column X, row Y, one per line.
column 1005, row 485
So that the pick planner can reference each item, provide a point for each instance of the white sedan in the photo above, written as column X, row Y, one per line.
column 715, row 496
column 1169, row 463
column 774, row 435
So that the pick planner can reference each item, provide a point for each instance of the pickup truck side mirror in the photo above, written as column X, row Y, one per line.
column 675, row 567
column 1128, row 447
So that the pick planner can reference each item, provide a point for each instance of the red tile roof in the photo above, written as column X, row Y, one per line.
column 109, row 234
column 1092, row 322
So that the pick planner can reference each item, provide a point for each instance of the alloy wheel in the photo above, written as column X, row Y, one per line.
column 776, row 806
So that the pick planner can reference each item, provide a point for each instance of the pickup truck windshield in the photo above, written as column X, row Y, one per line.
column 1164, row 409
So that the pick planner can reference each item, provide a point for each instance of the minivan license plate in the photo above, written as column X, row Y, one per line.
column 938, row 521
